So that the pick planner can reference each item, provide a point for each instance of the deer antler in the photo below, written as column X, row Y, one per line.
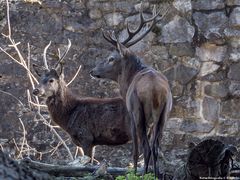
column 110, row 37
column 45, row 55
column 61, row 57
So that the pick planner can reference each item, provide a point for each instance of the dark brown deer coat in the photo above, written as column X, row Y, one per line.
column 89, row 121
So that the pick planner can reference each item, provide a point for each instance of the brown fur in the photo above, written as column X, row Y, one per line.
column 89, row 121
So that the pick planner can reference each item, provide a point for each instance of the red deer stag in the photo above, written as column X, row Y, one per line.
column 89, row 121
column 145, row 90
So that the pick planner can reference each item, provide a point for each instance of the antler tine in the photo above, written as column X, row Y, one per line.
column 45, row 55
column 110, row 37
column 64, row 54
column 154, row 21
column 131, row 34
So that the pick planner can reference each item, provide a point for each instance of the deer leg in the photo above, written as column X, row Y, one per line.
column 142, row 132
column 88, row 150
column 135, row 142
column 146, row 151
column 158, row 130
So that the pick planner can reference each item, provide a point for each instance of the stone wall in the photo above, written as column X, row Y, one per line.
column 195, row 45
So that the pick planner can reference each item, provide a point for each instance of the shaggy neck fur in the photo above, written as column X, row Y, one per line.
column 131, row 65
column 61, row 104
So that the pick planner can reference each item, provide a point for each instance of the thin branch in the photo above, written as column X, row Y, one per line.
column 38, row 105
column 8, row 19
column 13, row 97
column 24, row 138
column 58, row 136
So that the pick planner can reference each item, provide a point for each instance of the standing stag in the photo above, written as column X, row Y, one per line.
column 145, row 90
column 89, row 121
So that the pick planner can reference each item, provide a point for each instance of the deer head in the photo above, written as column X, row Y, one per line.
column 51, row 79
column 111, row 67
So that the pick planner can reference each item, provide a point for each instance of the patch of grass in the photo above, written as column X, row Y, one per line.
column 132, row 176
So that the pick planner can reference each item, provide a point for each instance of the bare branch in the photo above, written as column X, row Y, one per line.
column 20, row 102
column 8, row 19
column 24, row 139
column 73, row 171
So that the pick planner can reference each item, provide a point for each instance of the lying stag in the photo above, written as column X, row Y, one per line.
column 89, row 121
column 146, row 91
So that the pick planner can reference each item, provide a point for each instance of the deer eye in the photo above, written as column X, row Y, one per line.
column 110, row 59
column 51, row 80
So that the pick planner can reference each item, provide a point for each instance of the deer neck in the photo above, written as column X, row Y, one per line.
column 130, row 67
column 60, row 105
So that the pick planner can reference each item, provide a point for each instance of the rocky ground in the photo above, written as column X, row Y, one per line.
column 10, row 169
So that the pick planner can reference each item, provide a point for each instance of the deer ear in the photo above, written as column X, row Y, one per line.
column 39, row 70
column 123, row 51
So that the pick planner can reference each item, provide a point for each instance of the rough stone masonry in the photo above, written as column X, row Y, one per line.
column 197, row 46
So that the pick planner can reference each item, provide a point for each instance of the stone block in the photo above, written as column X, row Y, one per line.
column 218, row 89
column 212, row 24
column 210, row 108
column 234, row 89
column 234, row 72
column 95, row 14
column 114, row 19
column 208, row 4
column 179, row 30
column 208, row 68
column 211, row 52
column 228, row 127
column 181, row 73
column 234, row 19
column 234, row 54
column 231, row 33
column 193, row 126
column 232, row 2
column 183, row 6
column 230, row 109
column 182, row 49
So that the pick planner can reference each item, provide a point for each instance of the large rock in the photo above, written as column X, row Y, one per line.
column 193, row 126
column 234, row 72
column 211, row 52
column 230, row 109
column 183, row 6
column 231, row 33
column 232, row 2
column 216, row 76
column 181, row 73
column 210, row 108
column 211, row 25
column 208, row 68
column 234, row 89
column 234, row 54
column 182, row 49
column 218, row 89
column 178, row 30
column 208, row 4
column 114, row 19
column 228, row 127
column 234, row 17
column 107, row 7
